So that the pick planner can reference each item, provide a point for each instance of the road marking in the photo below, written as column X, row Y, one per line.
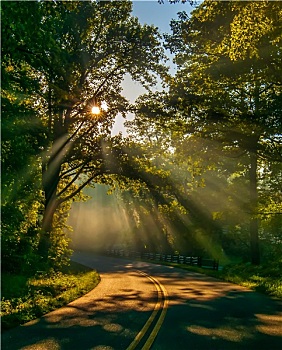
column 162, row 296
column 159, row 323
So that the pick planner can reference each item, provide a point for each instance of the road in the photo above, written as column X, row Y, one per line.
column 138, row 305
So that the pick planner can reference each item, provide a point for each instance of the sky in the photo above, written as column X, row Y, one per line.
column 160, row 15
column 151, row 12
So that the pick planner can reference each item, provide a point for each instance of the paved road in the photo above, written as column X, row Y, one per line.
column 187, row 310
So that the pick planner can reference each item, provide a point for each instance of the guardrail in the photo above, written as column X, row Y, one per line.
column 171, row 258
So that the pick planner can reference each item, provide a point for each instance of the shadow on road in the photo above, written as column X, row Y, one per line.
column 203, row 313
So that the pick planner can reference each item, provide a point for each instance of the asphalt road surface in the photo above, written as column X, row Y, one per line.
column 138, row 305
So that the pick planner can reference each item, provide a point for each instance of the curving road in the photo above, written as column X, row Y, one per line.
column 138, row 305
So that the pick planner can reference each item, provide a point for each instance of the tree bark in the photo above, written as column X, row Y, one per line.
column 254, row 226
column 50, row 179
column 46, row 229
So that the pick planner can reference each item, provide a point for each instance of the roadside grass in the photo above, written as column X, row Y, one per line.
column 264, row 278
column 26, row 298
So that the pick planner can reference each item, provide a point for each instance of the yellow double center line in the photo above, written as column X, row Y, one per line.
column 162, row 297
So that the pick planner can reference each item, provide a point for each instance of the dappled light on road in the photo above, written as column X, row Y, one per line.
column 227, row 333
column 270, row 324
column 44, row 345
column 203, row 312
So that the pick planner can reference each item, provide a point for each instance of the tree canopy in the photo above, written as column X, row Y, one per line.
column 59, row 60
column 226, row 98
column 200, row 167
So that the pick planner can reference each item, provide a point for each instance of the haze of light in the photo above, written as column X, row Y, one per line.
column 108, row 224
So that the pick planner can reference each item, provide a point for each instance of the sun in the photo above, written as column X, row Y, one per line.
column 95, row 110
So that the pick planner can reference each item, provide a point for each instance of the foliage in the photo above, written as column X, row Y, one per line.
column 60, row 252
column 203, row 162
column 196, row 167
column 22, row 140
column 25, row 298
column 226, row 102
column 266, row 278
column 60, row 59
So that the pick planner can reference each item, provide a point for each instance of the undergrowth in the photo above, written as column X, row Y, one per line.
column 26, row 298
column 265, row 278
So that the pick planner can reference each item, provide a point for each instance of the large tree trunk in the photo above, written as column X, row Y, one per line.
column 50, row 179
column 46, row 229
column 254, row 226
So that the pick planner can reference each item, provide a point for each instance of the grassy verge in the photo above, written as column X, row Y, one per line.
column 26, row 298
column 265, row 278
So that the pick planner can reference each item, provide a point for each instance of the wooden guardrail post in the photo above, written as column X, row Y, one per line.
column 199, row 261
column 158, row 257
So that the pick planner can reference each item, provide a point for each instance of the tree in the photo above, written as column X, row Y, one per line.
column 22, row 140
column 227, row 102
column 78, row 53
column 228, row 84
